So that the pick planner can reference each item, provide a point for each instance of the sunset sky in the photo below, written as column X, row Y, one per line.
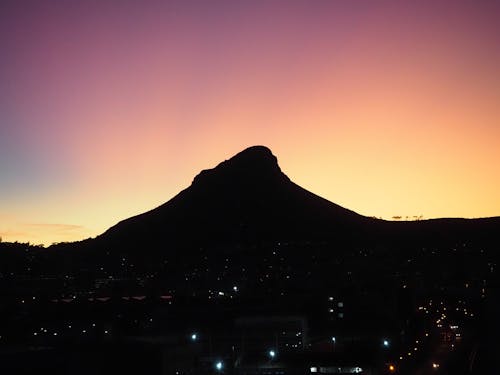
column 109, row 108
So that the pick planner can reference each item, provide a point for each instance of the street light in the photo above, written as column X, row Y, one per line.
column 272, row 354
column 194, row 336
column 219, row 365
column 385, row 342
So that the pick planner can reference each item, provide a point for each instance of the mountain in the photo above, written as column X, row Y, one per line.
column 249, row 200
column 244, row 243
column 244, row 199
column 244, row 218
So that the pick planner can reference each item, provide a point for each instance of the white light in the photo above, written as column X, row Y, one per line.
column 218, row 366
column 194, row 337
column 235, row 288
column 357, row 370
column 314, row 369
column 385, row 343
column 272, row 353
column 334, row 339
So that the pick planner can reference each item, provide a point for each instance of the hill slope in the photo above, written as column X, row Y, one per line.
column 245, row 198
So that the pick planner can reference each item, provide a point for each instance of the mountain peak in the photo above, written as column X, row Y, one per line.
column 251, row 163
column 245, row 198
column 253, row 157
column 255, row 152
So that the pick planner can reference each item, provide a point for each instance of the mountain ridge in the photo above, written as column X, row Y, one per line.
column 246, row 193
column 248, row 199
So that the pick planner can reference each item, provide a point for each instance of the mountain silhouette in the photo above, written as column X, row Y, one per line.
column 249, row 200
column 238, row 216
column 243, row 240
column 244, row 199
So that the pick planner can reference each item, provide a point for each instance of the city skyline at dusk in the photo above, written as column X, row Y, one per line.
column 109, row 110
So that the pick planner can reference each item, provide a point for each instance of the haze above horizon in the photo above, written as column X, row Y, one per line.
column 108, row 110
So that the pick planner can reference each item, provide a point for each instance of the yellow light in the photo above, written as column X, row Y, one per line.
column 392, row 368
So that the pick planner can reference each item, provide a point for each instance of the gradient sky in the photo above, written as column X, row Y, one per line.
column 109, row 108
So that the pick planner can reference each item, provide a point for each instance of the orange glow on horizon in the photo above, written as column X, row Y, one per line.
column 388, row 110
